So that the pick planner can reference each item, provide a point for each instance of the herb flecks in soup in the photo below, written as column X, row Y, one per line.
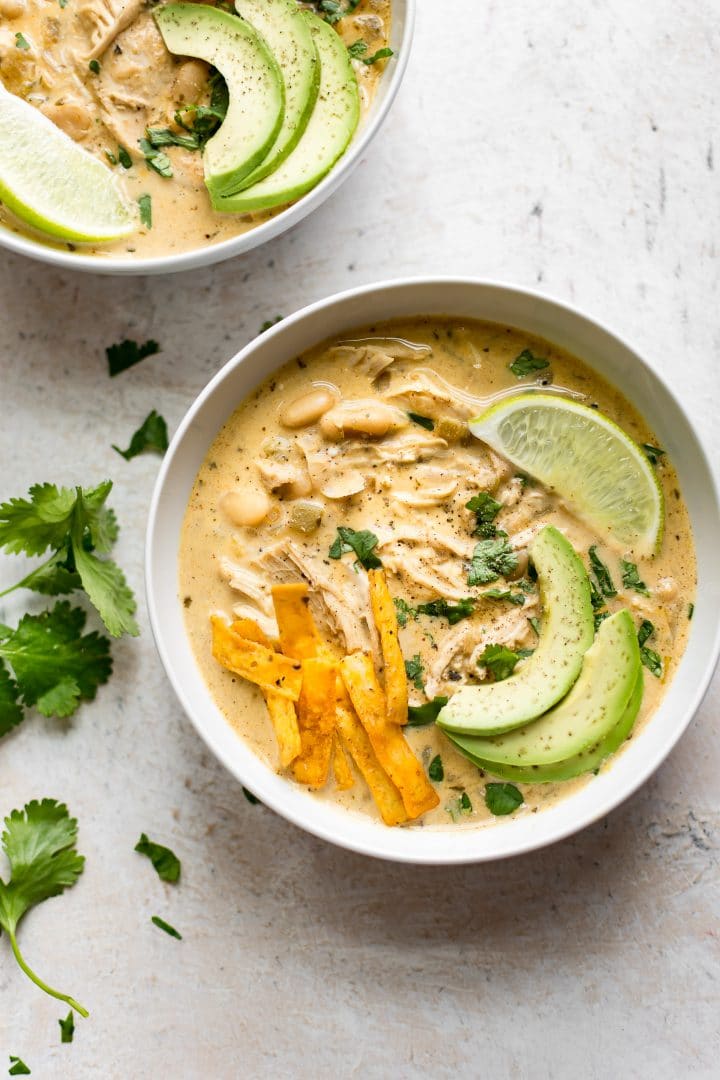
column 420, row 615
column 197, row 158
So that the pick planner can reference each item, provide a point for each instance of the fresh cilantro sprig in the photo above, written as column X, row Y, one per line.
column 485, row 509
column 166, row 863
column 151, row 435
column 39, row 842
column 362, row 542
column 414, row 671
column 499, row 661
column 502, row 799
column 127, row 353
column 491, row 559
column 526, row 363
column 631, row 578
column 79, row 528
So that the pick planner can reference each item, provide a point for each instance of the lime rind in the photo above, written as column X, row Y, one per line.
column 54, row 185
column 584, row 457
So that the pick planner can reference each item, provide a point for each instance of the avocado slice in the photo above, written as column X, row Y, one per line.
column 586, row 761
column 595, row 705
column 255, row 86
column 566, row 634
column 326, row 137
column 287, row 35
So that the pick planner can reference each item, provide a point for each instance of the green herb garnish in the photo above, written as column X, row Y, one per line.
column 491, row 559
column 94, row 66
column 252, row 799
column 486, row 509
column 690, row 611
column 631, row 578
column 381, row 54
column 357, row 49
column 164, row 860
column 124, row 159
column 67, row 1028
column 502, row 799
column 535, row 624
column 39, row 842
column 651, row 660
column 423, row 421
column 653, row 453
column 460, row 807
column 442, row 608
column 602, row 574
column 362, row 542
column 128, row 353
column 403, row 611
column 166, row 927
column 414, row 670
column 21, row 41
column 151, row 435
column 499, row 660
column 156, row 159
column 517, row 598
column 158, row 137
column 145, row 207
column 420, row 715
column 18, row 1067
column 526, row 363
column 436, row 771
column 270, row 322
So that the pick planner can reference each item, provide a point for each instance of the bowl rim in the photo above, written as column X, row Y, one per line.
column 392, row 77
column 374, row 846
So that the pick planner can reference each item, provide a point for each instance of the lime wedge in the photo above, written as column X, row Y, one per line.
column 585, row 458
column 51, row 183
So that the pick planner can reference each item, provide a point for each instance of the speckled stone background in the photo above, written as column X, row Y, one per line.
column 564, row 145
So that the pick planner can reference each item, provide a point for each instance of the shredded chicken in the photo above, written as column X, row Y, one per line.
column 104, row 20
column 373, row 356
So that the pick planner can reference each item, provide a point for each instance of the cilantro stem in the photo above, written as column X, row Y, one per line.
column 21, row 584
column 39, row 982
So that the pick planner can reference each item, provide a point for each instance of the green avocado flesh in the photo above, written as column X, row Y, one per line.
column 587, row 761
column 255, row 87
column 288, row 36
column 593, row 708
column 567, row 632
column 329, row 130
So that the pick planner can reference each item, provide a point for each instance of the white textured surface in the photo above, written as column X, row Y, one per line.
column 561, row 145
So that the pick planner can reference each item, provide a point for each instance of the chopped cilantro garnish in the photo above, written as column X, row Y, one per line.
column 63, row 3
column 158, row 137
column 381, row 54
column 124, row 158
column 414, row 670
column 436, row 771
column 21, row 41
column 357, row 49
column 423, row 421
column 166, row 927
column 646, row 630
column 270, row 322
column 420, row 715
column 39, row 842
column 651, row 660
column 499, row 660
column 252, row 799
column 206, row 119
column 653, row 453
column 526, row 363
column 156, row 159
column 67, row 1028
column 145, row 207
column 535, row 623
column 442, row 608
column 486, row 509
column 111, row 157
column 491, row 559
column 602, row 574
column 127, row 353
column 403, row 611
column 631, row 578
column 502, row 799
column 460, row 807
column 94, row 66
column 362, row 542
column 18, row 1067
column 690, row 611
column 599, row 617
column 164, row 860
column 517, row 598
column 151, row 435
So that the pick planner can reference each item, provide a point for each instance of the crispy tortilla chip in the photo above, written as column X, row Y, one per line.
column 388, row 741
column 386, row 795
column 257, row 663
column 383, row 609
column 344, row 778
column 316, row 719
column 299, row 635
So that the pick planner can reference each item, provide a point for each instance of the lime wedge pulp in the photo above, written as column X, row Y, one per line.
column 53, row 184
column 585, row 458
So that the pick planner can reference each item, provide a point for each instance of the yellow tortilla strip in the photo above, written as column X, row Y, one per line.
column 256, row 663
column 392, row 750
column 316, row 719
column 383, row 609
column 299, row 635
column 344, row 778
column 282, row 711
column 386, row 795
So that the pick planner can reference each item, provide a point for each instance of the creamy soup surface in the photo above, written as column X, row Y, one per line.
column 408, row 485
column 138, row 84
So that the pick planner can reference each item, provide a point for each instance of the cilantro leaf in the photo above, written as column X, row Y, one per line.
column 145, row 208
column 499, row 660
column 11, row 713
column 602, row 574
column 270, row 323
column 67, row 1028
column 164, row 860
column 526, row 363
column 414, row 670
column 21, row 41
column 690, row 611
column 381, row 54
column 357, row 49
column 517, row 598
column 420, row 715
column 158, row 137
column 17, row 1067
column 444, row 609
column 653, row 453
column 43, row 521
column 252, row 799
column 54, row 577
column 362, row 542
column 631, row 578
column 166, row 927
column 423, row 421
column 486, row 509
column 436, row 771
column 39, row 842
column 403, row 611
column 157, row 160
column 460, row 807
column 127, row 353
column 108, row 591
column 502, row 799
column 651, row 659
column 151, row 435
column 126, row 162
column 55, row 666
column 491, row 559
column 535, row 624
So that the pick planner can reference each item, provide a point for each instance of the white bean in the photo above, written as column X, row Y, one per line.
column 307, row 409
column 248, row 508
column 368, row 419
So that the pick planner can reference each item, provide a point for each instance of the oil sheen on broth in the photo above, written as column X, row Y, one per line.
column 409, row 486
column 137, row 84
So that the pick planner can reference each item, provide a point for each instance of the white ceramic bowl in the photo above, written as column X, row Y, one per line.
column 535, row 314
column 401, row 33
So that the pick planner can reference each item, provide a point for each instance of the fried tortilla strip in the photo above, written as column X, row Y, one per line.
column 386, row 795
column 388, row 741
column 299, row 636
column 344, row 778
column 316, row 719
column 256, row 663
column 383, row 609
column 282, row 711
